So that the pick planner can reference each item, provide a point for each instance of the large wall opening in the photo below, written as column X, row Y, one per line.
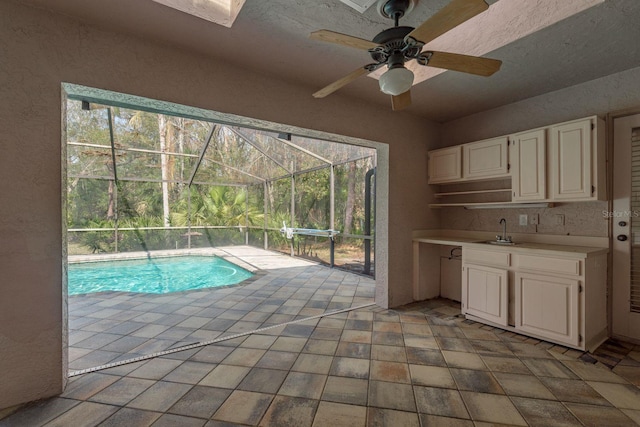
column 144, row 181
column 146, row 176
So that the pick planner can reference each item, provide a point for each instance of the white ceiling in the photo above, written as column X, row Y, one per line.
column 271, row 36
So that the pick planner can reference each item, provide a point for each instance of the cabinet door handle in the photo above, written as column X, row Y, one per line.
column 622, row 237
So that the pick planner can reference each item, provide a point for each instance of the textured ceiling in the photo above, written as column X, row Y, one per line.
column 272, row 37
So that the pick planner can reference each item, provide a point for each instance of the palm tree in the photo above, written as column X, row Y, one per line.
column 219, row 206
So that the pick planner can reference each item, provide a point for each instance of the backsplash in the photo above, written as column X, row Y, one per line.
column 580, row 219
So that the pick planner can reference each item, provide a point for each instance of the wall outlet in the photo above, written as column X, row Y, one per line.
column 535, row 219
column 524, row 220
column 559, row 219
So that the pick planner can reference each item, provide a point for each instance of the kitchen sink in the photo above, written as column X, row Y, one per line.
column 495, row 242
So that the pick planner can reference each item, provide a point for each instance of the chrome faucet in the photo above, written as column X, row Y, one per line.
column 504, row 238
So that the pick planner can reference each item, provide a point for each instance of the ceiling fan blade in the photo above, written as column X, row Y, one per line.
column 340, row 83
column 452, row 15
column 402, row 101
column 343, row 39
column 465, row 63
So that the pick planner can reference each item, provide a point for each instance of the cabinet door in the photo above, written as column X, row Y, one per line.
column 485, row 159
column 547, row 306
column 570, row 160
column 485, row 293
column 445, row 165
column 528, row 166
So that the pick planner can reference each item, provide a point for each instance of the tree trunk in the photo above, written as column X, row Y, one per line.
column 271, row 206
column 181, row 129
column 162, row 130
column 351, row 199
column 111, row 208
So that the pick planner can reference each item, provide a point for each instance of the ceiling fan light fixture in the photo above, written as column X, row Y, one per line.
column 396, row 81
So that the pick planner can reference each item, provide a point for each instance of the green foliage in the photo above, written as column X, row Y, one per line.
column 216, row 206
column 88, row 201
column 141, row 239
column 98, row 241
column 313, row 199
column 139, row 200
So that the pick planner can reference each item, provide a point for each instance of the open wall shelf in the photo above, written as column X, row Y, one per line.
column 462, row 193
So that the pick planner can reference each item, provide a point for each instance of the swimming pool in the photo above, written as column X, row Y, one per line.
column 154, row 275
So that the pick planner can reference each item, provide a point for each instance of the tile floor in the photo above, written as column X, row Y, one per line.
column 109, row 327
column 418, row 365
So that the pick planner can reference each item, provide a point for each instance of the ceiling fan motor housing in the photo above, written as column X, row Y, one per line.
column 393, row 49
column 394, row 9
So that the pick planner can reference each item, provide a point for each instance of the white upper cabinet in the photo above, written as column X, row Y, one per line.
column 474, row 161
column 528, row 166
column 576, row 161
column 558, row 163
column 445, row 165
column 485, row 159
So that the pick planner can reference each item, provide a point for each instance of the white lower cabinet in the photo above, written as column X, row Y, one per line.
column 486, row 292
column 548, row 306
column 557, row 297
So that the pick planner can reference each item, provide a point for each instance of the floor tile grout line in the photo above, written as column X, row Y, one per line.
column 519, row 356
column 209, row 342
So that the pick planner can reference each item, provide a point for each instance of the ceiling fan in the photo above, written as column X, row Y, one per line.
column 398, row 45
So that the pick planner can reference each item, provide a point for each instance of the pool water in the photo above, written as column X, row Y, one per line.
column 154, row 275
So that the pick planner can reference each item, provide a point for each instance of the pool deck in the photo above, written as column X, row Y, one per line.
column 110, row 327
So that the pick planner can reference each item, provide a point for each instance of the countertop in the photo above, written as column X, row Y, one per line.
column 540, row 248
column 447, row 240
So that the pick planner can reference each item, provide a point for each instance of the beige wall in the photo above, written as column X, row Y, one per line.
column 596, row 97
column 39, row 51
